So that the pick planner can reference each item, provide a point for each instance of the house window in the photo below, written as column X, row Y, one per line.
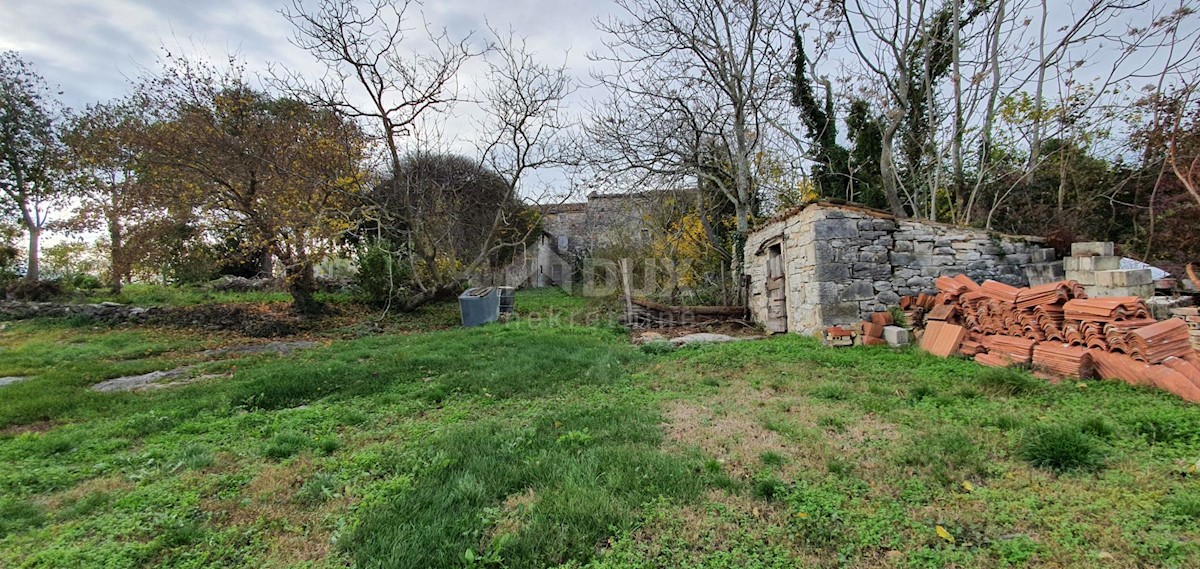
column 556, row 273
column 563, row 242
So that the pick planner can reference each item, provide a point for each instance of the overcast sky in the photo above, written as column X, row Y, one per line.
column 89, row 48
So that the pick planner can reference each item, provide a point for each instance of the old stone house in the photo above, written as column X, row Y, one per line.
column 571, row 232
column 825, row 264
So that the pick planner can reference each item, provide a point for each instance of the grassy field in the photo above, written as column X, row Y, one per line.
column 552, row 441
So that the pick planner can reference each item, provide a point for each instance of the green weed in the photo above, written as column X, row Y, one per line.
column 285, row 445
column 1007, row 381
column 1060, row 447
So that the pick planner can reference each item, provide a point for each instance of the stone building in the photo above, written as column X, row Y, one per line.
column 572, row 231
column 824, row 264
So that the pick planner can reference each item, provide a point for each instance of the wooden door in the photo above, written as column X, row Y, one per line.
column 776, row 290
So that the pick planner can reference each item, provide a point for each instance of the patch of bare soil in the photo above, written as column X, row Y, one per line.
column 642, row 336
column 295, row 533
column 91, row 486
column 735, row 439
column 513, row 513
column 38, row 427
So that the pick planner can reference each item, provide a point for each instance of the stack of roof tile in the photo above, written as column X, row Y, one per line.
column 1175, row 375
column 1106, row 308
column 941, row 338
column 1057, row 329
column 1016, row 350
column 916, row 306
column 1159, row 341
column 1063, row 360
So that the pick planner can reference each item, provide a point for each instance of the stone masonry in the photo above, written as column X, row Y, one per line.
column 843, row 262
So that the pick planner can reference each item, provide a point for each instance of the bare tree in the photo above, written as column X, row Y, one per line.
column 693, row 84
column 373, row 74
column 379, row 72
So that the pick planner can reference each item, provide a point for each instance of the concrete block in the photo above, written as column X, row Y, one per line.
column 1086, row 278
column 1144, row 291
column 897, row 336
column 1042, row 273
column 1092, row 248
column 1071, row 263
column 1127, row 277
column 1098, row 263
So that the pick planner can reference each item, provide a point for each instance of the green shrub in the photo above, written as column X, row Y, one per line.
column 772, row 459
column 922, row 392
column 768, row 488
column 196, row 457
column 1060, row 448
column 1005, row 422
column 1007, row 381
column 383, row 276
column 839, row 467
column 328, row 445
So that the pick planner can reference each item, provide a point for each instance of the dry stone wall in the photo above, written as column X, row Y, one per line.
column 842, row 263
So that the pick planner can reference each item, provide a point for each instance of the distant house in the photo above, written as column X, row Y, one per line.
column 571, row 232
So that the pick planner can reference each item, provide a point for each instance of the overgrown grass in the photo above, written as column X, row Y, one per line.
column 1061, row 448
column 550, row 441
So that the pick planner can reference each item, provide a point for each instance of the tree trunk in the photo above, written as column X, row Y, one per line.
column 266, row 263
column 887, row 166
column 302, row 285
column 35, row 234
column 117, row 268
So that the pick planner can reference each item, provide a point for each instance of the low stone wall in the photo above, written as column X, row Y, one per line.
column 108, row 312
column 244, row 319
column 842, row 263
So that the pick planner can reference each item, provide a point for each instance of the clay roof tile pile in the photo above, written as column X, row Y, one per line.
column 1106, row 308
column 1063, row 360
column 1000, row 291
column 1159, row 341
column 1017, row 350
column 1061, row 332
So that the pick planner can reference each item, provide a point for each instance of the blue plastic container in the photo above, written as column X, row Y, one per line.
column 479, row 305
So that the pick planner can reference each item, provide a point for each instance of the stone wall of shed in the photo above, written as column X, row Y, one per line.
column 844, row 263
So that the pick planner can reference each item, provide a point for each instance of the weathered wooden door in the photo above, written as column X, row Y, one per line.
column 776, row 290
